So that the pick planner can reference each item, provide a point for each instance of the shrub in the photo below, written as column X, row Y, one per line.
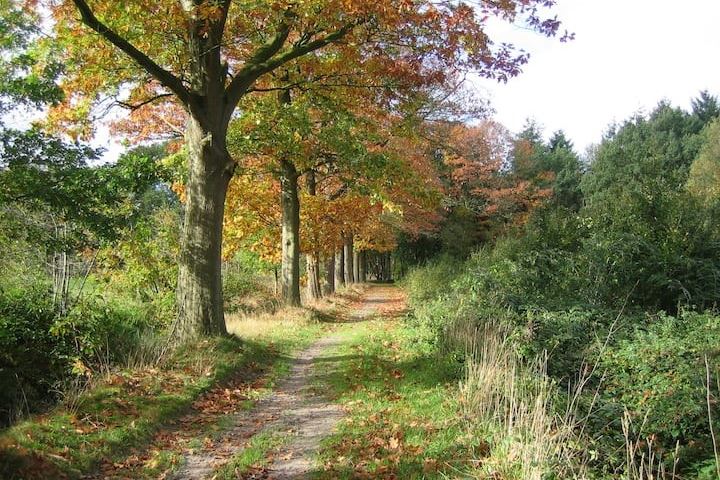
column 431, row 281
column 658, row 375
column 39, row 349
column 242, row 276
column 103, row 332
column 32, row 359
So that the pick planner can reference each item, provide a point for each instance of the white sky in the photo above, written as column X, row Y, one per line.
column 627, row 56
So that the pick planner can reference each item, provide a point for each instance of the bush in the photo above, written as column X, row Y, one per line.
column 432, row 298
column 103, row 332
column 39, row 349
column 652, row 365
column 242, row 276
column 431, row 281
column 32, row 359
column 658, row 375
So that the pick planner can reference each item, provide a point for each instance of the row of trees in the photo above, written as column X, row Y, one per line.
column 328, row 91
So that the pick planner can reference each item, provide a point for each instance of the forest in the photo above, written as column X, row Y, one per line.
column 319, row 254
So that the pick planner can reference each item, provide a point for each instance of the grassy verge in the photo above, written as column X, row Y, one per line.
column 125, row 410
column 402, row 406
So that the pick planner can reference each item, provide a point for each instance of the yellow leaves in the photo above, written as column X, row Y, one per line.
column 252, row 217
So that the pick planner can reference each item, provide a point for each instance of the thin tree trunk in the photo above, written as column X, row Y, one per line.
column 356, row 266
column 277, row 282
column 339, row 269
column 313, row 260
column 199, row 292
column 376, row 266
column 290, row 203
column 390, row 267
column 362, row 267
column 330, row 275
column 348, row 254
column 387, row 267
column 61, row 270
column 313, row 274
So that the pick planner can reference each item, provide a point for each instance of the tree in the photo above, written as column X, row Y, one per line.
column 704, row 178
column 705, row 108
column 559, row 140
column 492, row 176
column 653, row 152
column 28, row 72
column 206, row 55
column 315, row 136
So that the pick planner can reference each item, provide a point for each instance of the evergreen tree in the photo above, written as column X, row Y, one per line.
column 705, row 109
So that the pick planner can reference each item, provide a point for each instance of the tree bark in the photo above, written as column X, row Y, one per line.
column 339, row 269
column 330, row 275
column 348, row 254
column 199, row 292
column 313, row 258
column 290, row 203
column 356, row 266
column 362, row 267
column 313, row 274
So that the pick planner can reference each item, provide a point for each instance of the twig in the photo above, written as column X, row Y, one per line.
column 710, row 419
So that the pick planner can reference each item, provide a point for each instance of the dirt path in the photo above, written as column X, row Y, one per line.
column 292, row 407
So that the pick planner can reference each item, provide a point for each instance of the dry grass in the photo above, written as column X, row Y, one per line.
column 510, row 402
column 643, row 461
column 258, row 323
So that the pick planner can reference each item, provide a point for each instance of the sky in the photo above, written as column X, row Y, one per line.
column 627, row 56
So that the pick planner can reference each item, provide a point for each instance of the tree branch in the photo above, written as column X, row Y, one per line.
column 136, row 106
column 249, row 73
column 163, row 76
column 264, row 61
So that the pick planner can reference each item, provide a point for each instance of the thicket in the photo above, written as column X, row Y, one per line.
column 616, row 295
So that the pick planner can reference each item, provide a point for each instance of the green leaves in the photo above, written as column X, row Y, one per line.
column 28, row 69
column 54, row 176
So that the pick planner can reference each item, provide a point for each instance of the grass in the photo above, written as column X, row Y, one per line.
column 512, row 404
column 402, row 408
column 123, row 411
column 254, row 456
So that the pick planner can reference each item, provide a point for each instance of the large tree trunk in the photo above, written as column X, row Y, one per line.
column 290, row 203
column 330, row 275
column 339, row 269
column 348, row 254
column 199, row 292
